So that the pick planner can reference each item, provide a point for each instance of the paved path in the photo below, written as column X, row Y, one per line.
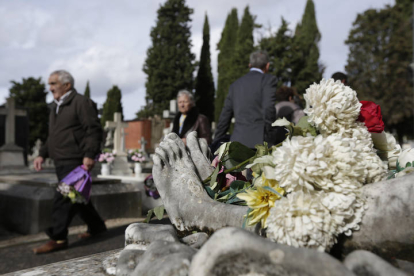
column 16, row 253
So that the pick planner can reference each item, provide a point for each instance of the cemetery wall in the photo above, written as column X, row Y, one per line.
column 134, row 132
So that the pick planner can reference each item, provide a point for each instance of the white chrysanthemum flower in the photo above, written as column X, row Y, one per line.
column 331, row 106
column 360, row 133
column 328, row 163
column 346, row 210
column 301, row 220
column 407, row 156
column 376, row 168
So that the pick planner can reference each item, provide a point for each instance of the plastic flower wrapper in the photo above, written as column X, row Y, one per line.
column 387, row 148
column 150, row 188
column 301, row 220
column 76, row 185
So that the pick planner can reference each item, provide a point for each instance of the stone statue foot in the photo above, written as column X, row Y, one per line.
column 187, row 203
column 200, row 154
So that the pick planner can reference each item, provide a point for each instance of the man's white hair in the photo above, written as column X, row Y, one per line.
column 188, row 94
column 64, row 77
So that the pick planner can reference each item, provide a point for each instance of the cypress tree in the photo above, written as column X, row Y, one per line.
column 31, row 94
column 112, row 104
column 170, row 64
column 204, row 93
column 380, row 53
column 306, row 68
column 87, row 93
column 244, row 46
column 226, row 46
column 279, row 48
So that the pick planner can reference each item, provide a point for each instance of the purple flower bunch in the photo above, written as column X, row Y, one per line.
column 137, row 156
column 106, row 157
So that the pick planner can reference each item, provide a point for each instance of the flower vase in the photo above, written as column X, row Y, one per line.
column 138, row 169
column 105, row 169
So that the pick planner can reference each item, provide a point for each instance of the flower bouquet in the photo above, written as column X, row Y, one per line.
column 76, row 185
column 306, row 190
column 137, row 156
column 107, row 156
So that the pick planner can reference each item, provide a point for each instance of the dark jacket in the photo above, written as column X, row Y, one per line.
column 251, row 100
column 193, row 122
column 74, row 133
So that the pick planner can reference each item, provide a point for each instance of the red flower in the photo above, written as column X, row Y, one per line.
column 371, row 115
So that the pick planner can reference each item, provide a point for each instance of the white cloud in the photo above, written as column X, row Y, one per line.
column 105, row 41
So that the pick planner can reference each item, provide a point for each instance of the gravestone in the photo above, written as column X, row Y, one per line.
column 13, row 155
column 120, row 164
column 26, row 201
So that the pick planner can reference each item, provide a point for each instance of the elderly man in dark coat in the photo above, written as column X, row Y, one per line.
column 75, row 136
column 251, row 101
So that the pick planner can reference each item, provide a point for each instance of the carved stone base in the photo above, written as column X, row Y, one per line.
column 11, row 156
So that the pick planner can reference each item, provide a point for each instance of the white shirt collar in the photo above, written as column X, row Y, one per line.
column 60, row 101
column 256, row 69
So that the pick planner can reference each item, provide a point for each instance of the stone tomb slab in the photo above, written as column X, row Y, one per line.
column 26, row 203
column 147, row 202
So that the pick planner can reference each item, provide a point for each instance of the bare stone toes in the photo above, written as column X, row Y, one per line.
column 201, row 162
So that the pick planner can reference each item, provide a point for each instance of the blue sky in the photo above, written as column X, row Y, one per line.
column 105, row 41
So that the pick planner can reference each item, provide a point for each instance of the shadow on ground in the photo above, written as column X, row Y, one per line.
column 21, row 257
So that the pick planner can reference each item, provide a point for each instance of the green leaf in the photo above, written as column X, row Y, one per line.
column 214, row 176
column 237, row 153
column 408, row 164
column 305, row 125
column 235, row 200
column 246, row 217
column 159, row 212
column 399, row 167
column 238, row 185
column 223, row 198
column 149, row 215
column 226, row 192
column 261, row 150
column 210, row 192
column 272, row 190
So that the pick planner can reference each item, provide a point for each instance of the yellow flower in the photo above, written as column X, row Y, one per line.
column 260, row 200
column 71, row 195
column 263, row 181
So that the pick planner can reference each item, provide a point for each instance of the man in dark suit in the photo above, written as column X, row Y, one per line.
column 251, row 100
column 75, row 135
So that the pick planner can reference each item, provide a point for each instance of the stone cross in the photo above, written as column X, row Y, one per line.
column 123, row 140
column 10, row 153
column 143, row 143
column 109, row 142
column 11, row 113
column 118, row 125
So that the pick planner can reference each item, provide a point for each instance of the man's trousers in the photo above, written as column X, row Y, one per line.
column 64, row 210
